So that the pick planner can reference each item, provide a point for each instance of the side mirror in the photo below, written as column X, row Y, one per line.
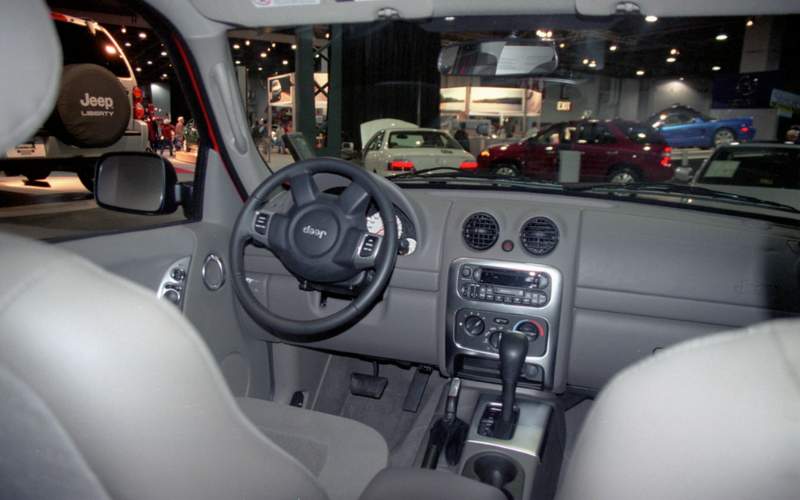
column 140, row 183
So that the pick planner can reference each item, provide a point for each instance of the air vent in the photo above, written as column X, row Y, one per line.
column 539, row 236
column 480, row 231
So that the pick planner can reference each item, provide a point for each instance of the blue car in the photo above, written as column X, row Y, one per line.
column 685, row 127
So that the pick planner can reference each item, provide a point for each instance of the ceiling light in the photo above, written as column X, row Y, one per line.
column 316, row 56
column 651, row 19
column 449, row 19
column 138, row 69
column 749, row 23
column 247, row 42
column 163, row 75
column 721, row 37
column 674, row 52
column 716, row 68
column 263, row 55
column 639, row 72
column 273, row 44
column 143, row 35
column 294, row 47
column 236, row 46
column 327, row 35
column 585, row 62
column 592, row 63
column 681, row 78
column 545, row 34
column 260, row 68
column 127, row 44
column 562, row 45
column 285, row 62
column 671, row 59
column 163, row 53
column 123, row 30
column 612, row 48
column 110, row 49
column 237, row 62
column 149, row 63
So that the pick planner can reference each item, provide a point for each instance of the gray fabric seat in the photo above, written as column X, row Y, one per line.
column 142, row 401
column 717, row 418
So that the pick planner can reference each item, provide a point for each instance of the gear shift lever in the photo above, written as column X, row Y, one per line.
column 513, row 350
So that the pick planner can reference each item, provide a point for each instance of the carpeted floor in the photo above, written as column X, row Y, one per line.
column 404, row 431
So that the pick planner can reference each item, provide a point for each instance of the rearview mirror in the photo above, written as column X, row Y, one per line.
column 142, row 183
column 498, row 58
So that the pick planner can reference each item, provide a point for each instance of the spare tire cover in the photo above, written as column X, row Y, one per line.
column 92, row 110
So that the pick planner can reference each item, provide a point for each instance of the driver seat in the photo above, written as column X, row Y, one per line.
column 106, row 392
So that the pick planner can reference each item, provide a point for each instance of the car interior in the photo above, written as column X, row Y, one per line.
column 317, row 331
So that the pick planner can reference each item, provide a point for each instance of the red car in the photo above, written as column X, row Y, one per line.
column 611, row 151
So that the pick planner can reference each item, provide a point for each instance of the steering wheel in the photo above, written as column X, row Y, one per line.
column 321, row 239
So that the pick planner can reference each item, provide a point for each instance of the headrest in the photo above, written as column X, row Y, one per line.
column 30, row 58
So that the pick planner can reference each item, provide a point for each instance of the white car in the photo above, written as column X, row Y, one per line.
column 767, row 171
column 400, row 146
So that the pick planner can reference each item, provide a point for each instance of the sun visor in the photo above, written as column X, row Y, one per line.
column 30, row 55
column 259, row 13
column 690, row 8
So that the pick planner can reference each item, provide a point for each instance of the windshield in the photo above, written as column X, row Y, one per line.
column 564, row 100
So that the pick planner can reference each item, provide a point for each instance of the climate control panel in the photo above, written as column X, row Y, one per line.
column 482, row 330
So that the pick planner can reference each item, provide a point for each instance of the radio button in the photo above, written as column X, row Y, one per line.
column 466, row 271
column 544, row 281
column 501, row 321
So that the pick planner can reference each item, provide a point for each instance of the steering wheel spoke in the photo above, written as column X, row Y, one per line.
column 266, row 228
column 354, row 199
column 303, row 189
column 366, row 252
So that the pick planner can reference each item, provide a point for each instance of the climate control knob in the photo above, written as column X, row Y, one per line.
column 529, row 328
column 474, row 325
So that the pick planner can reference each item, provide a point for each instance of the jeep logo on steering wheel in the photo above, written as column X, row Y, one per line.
column 317, row 233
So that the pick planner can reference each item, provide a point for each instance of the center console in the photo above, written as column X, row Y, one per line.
column 501, row 333
column 487, row 298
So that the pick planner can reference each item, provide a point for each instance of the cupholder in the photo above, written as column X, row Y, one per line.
column 496, row 470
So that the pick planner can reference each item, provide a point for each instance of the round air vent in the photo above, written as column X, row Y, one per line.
column 539, row 236
column 480, row 231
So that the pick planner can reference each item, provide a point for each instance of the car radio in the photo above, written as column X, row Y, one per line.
column 504, row 286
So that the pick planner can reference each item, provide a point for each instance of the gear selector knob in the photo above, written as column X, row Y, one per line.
column 513, row 350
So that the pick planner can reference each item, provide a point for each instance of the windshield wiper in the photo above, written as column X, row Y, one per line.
column 682, row 190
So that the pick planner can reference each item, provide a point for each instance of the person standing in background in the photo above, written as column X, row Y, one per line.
column 180, row 137
column 167, row 136
column 461, row 136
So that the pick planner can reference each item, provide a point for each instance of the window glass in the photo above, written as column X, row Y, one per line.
column 46, row 182
column 775, row 167
column 603, row 135
column 423, row 139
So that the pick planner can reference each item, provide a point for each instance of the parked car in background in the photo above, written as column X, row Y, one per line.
column 769, row 172
column 685, row 127
column 399, row 146
column 611, row 151
column 98, row 109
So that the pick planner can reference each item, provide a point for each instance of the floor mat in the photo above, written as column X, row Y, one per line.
column 402, row 430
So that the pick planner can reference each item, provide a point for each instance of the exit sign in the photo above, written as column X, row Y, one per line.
column 564, row 106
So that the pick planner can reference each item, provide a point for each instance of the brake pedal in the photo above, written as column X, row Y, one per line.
column 368, row 386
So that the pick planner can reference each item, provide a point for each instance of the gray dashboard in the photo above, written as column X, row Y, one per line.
column 634, row 278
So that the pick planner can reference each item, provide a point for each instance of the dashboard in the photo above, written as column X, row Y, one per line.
column 623, row 280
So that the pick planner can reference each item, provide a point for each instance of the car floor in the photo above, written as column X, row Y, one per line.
column 403, row 431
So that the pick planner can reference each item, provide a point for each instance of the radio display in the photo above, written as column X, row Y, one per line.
column 504, row 278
